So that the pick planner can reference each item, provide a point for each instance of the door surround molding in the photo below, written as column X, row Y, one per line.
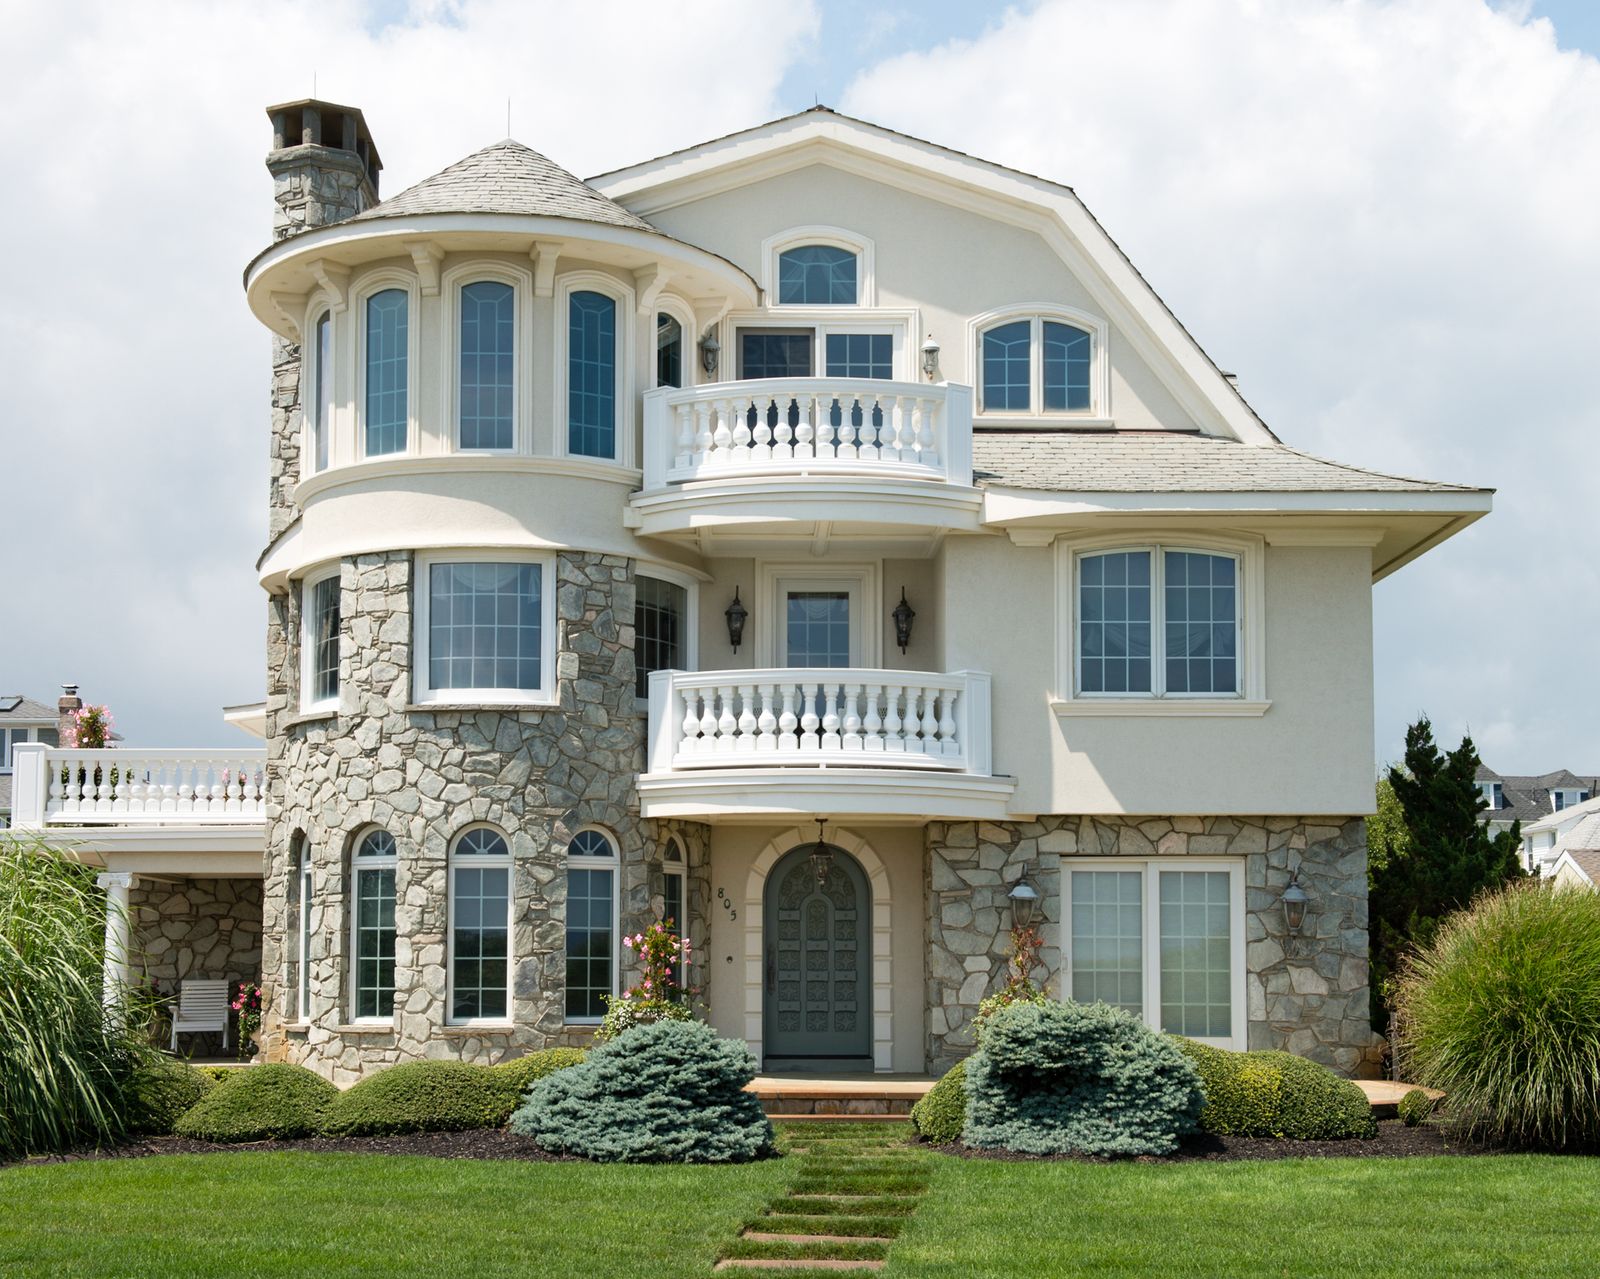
column 754, row 929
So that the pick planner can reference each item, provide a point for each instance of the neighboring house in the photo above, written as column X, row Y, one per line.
column 1533, row 801
column 1579, row 867
column 817, row 536
column 1544, row 840
column 21, row 720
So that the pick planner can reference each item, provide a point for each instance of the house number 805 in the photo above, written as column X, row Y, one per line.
column 727, row 903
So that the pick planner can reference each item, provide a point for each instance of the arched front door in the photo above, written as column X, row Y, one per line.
column 818, row 996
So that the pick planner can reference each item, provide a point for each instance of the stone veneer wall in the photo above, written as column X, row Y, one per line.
column 1305, row 994
column 424, row 773
column 206, row 929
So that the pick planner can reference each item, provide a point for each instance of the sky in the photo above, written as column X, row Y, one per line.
column 1380, row 215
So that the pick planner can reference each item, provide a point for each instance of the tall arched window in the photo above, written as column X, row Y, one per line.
column 817, row 275
column 592, row 866
column 480, row 926
column 388, row 353
column 322, row 397
column 297, row 966
column 488, row 365
column 669, row 350
column 372, row 926
column 675, row 899
column 591, row 375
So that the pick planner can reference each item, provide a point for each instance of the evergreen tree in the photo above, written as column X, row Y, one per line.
column 1440, row 858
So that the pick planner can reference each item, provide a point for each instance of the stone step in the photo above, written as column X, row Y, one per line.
column 794, row 1263
column 767, row 1236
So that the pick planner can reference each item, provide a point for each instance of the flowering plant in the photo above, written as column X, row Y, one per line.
column 247, row 1007
column 1026, row 943
column 658, row 995
column 90, row 728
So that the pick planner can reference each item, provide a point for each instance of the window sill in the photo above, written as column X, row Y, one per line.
column 1161, row 707
column 485, row 704
column 368, row 1028
column 463, row 1029
column 583, row 1023
column 313, row 715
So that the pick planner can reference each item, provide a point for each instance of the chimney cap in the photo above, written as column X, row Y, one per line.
column 361, row 136
column 69, row 690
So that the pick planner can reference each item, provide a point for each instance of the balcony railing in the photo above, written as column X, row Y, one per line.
column 60, row 786
column 819, row 718
column 808, row 426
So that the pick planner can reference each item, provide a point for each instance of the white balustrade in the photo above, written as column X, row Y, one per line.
column 781, row 426
column 819, row 717
column 140, row 787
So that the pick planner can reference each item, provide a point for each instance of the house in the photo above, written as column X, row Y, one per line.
column 21, row 720
column 1579, row 867
column 1544, row 840
column 817, row 536
column 1532, row 801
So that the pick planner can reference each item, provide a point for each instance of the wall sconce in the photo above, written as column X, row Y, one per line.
column 710, row 350
column 930, row 357
column 1294, row 901
column 903, row 616
column 736, row 613
column 1024, row 899
column 821, row 855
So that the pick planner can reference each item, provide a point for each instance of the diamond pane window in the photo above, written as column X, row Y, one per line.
column 592, row 375
column 817, row 275
column 488, row 359
column 387, row 353
column 485, row 626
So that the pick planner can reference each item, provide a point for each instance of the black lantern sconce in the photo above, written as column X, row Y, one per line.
column 710, row 351
column 1024, row 900
column 1295, row 899
column 903, row 616
column 821, row 858
column 736, row 613
column 930, row 357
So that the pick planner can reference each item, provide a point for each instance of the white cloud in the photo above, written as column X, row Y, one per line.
column 133, row 430
column 1382, row 217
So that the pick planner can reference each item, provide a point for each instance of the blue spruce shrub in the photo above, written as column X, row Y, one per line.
column 666, row 1092
column 1086, row 1079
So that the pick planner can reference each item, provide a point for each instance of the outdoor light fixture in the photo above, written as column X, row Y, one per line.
column 710, row 349
column 1294, row 901
column 1024, row 898
column 930, row 357
column 736, row 614
column 903, row 616
column 821, row 855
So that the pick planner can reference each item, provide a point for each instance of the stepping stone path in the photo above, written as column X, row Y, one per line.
column 854, row 1187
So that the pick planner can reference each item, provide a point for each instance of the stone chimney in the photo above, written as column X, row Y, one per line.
column 323, row 164
column 69, row 702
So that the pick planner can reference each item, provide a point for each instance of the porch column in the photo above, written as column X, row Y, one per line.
column 118, row 886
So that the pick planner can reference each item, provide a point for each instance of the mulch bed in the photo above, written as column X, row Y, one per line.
column 1394, row 1140
column 486, row 1143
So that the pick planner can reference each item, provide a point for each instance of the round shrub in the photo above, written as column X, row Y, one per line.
column 1416, row 1106
column 941, row 1115
column 511, row 1079
column 1086, row 1079
column 419, row 1096
column 158, row 1093
column 667, row 1092
column 263, row 1102
column 1501, row 1011
column 1276, row 1094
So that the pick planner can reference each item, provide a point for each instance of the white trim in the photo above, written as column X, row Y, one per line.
column 394, row 466
column 1099, row 411
column 451, row 282
column 453, row 861
column 614, row 865
column 308, row 585
column 319, row 304
column 1149, row 869
column 798, row 237
column 910, row 797
column 882, row 951
column 861, row 579
column 680, row 310
column 378, row 282
column 1248, row 550
column 547, row 693
column 690, row 584
column 627, row 321
column 358, row 865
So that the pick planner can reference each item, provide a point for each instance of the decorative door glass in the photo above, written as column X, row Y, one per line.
column 818, row 628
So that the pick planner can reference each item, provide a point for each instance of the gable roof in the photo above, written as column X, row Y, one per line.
column 1586, row 861
column 1527, row 798
column 506, row 178
column 14, row 706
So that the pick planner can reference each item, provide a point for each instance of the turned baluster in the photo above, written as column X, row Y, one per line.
column 75, row 780
column 805, row 435
column 727, row 722
column 766, row 722
column 852, row 718
column 847, row 431
column 708, row 719
column 704, row 435
column 121, row 789
column 947, row 723
column 742, row 411
column 830, row 717
column 689, row 741
column 761, row 449
column 722, row 435
column 783, row 433
column 809, row 740
column 100, row 778
column 872, row 726
column 787, row 722
column 927, row 454
column 893, row 738
column 747, row 717
column 683, row 436
column 930, row 723
column 235, row 790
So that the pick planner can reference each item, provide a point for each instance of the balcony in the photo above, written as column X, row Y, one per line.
column 889, row 744
column 770, row 461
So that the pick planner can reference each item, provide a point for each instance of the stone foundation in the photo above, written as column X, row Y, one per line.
column 1306, row 994
column 200, row 929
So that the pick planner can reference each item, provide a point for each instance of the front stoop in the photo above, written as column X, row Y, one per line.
column 846, row 1097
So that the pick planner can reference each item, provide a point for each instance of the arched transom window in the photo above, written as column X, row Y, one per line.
column 480, row 926
column 373, row 926
column 1036, row 365
column 592, row 867
column 818, row 275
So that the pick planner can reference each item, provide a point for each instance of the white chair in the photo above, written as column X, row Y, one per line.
column 202, row 1006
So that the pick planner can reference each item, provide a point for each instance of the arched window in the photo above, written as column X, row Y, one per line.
column 322, row 394
column 372, row 926
column 675, row 899
column 1036, row 365
column 388, row 353
column 480, row 926
column 488, row 364
column 591, row 375
column 592, row 867
column 669, row 350
column 297, row 968
column 319, row 641
column 818, row 275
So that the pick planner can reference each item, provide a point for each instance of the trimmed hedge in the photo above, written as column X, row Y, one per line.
column 418, row 1096
column 668, row 1092
column 1088, row 1079
column 1415, row 1107
column 1276, row 1094
column 513, row 1078
column 276, row 1100
column 157, row 1095
column 941, row 1115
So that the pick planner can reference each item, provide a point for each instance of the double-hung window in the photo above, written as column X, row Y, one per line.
column 1163, row 940
column 387, row 372
column 485, row 631
column 373, row 927
column 480, row 926
column 487, row 345
column 320, row 642
column 591, row 374
column 592, row 866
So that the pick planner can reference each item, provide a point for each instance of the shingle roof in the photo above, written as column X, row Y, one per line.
column 16, row 706
column 1587, row 860
column 506, row 178
column 1527, row 799
column 1585, row 836
column 1168, row 462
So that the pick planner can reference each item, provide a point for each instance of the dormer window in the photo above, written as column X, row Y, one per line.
column 818, row 275
column 1564, row 799
column 1493, row 795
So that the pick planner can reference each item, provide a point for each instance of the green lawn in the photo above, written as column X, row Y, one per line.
column 270, row 1214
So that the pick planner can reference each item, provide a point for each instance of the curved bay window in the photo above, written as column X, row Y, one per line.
column 480, row 926
column 592, row 867
column 487, row 389
column 591, row 375
column 372, row 926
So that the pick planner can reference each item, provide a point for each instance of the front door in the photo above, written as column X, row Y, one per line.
column 818, row 998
